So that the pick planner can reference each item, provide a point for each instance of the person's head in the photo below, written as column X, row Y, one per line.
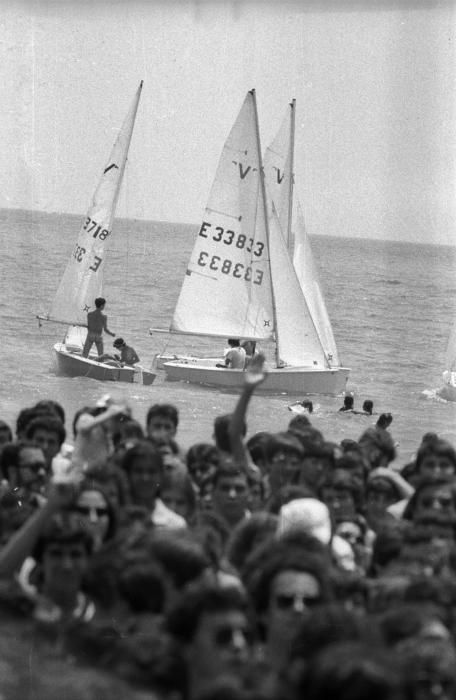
column 230, row 492
column 51, row 406
column 342, row 494
column 248, row 535
column 377, row 447
column 256, row 446
column 353, row 464
column 348, row 401
column 434, row 498
column 233, row 342
column 26, row 415
column 429, row 668
column 6, row 434
column 353, row 530
column 353, row 670
column 309, row 515
column 119, row 343
column 284, row 455
column 382, row 490
column 96, row 513
column 49, row 434
column 221, row 432
column 202, row 460
column 318, row 460
column 436, row 457
column 100, row 303
column 212, row 627
column 143, row 464
column 162, row 421
column 62, row 553
column 178, row 493
column 368, row 406
column 23, row 465
column 298, row 422
column 285, row 581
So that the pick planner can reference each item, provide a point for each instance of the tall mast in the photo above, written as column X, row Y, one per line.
column 291, row 176
column 266, row 221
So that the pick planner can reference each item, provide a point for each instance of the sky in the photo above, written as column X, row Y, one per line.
column 374, row 83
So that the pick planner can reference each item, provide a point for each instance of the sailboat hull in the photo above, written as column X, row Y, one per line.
column 72, row 364
column 159, row 360
column 286, row 380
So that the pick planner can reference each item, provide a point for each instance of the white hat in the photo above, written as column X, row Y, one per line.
column 306, row 515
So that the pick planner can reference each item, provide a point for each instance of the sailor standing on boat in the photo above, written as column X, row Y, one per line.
column 97, row 322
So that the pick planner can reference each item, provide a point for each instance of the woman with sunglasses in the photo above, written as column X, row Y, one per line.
column 96, row 513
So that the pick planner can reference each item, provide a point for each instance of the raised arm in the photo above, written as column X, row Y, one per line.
column 254, row 375
column 21, row 544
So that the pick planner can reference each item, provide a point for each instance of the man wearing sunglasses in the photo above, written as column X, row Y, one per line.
column 212, row 628
column 287, row 581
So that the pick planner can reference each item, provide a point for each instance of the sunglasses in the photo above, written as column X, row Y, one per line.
column 56, row 552
column 34, row 466
column 86, row 510
column 285, row 601
column 442, row 501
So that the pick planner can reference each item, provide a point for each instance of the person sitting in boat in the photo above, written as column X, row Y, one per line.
column 235, row 357
column 97, row 322
column 348, row 404
column 128, row 355
column 250, row 351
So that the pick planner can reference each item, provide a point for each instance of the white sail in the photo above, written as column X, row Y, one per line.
column 83, row 277
column 297, row 339
column 278, row 166
column 227, row 286
column 307, row 272
column 450, row 356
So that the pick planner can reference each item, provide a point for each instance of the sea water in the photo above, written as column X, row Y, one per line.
column 391, row 305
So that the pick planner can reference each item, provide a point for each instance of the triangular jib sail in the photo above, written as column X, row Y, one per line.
column 83, row 277
column 227, row 288
column 306, row 335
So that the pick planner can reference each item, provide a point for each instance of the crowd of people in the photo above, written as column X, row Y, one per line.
column 272, row 566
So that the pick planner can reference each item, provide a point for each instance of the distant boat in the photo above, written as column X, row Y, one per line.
column 448, row 390
column 241, row 281
column 83, row 277
column 280, row 184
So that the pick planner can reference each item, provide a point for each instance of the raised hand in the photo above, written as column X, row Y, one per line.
column 255, row 373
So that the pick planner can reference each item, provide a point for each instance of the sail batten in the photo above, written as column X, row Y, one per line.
column 82, row 280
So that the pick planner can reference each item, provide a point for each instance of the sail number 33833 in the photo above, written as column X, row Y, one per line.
column 228, row 267
column 228, row 237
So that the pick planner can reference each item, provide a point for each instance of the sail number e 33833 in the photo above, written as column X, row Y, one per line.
column 229, row 237
column 228, row 267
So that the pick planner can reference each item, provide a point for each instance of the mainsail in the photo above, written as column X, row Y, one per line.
column 83, row 277
column 314, row 318
column 227, row 288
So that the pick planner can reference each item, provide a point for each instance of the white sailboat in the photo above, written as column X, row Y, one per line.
column 241, row 282
column 279, row 172
column 82, row 280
